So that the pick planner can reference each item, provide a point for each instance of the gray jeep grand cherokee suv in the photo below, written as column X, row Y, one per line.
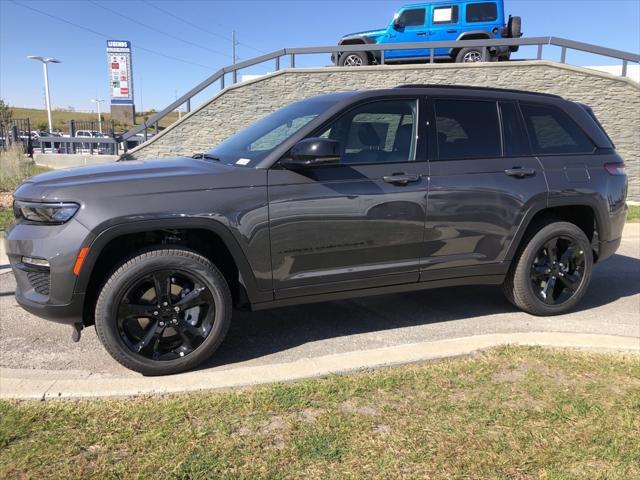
column 348, row 194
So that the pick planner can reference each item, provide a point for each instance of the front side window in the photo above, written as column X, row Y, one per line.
column 411, row 18
column 467, row 129
column 378, row 132
column 482, row 12
column 251, row 145
column 445, row 15
column 553, row 132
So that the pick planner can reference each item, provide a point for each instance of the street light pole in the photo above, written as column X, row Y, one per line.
column 98, row 101
column 45, row 62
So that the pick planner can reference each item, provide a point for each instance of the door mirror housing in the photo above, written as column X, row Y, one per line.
column 397, row 24
column 313, row 152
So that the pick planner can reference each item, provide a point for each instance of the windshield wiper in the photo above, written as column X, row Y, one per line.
column 206, row 156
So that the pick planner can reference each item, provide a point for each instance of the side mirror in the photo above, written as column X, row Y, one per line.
column 313, row 152
column 397, row 24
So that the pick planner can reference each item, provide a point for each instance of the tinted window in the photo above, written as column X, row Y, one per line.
column 515, row 140
column 482, row 12
column 552, row 131
column 377, row 132
column 467, row 129
column 254, row 143
column 412, row 18
column 445, row 15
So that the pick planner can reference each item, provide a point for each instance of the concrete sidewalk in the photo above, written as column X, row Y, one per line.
column 69, row 384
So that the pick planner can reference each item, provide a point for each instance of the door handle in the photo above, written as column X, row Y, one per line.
column 401, row 178
column 520, row 172
column 452, row 31
column 421, row 33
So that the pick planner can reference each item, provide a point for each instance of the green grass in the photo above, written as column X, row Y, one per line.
column 633, row 215
column 510, row 413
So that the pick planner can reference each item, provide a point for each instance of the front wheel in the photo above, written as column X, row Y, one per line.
column 552, row 272
column 353, row 59
column 164, row 311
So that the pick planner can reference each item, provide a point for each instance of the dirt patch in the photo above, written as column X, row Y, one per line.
column 6, row 200
column 518, row 373
column 350, row 407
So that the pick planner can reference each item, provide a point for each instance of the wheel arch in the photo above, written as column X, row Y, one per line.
column 359, row 40
column 473, row 35
column 116, row 243
column 584, row 213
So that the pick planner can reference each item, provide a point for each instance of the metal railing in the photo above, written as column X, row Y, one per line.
column 430, row 55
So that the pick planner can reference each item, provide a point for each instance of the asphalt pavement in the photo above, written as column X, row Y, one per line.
column 611, row 307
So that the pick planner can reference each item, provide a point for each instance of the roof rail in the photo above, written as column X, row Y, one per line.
column 471, row 87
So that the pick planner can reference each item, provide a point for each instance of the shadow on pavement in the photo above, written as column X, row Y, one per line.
column 257, row 334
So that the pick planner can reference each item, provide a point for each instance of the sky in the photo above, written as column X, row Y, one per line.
column 177, row 44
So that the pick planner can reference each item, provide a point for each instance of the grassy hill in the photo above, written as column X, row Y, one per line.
column 38, row 118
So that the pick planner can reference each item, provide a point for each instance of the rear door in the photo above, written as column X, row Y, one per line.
column 483, row 181
column 444, row 24
column 358, row 224
column 412, row 27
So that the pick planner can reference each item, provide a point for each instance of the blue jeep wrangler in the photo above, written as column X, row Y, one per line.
column 436, row 21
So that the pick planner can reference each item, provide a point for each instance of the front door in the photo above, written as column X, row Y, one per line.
column 479, row 191
column 408, row 27
column 357, row 224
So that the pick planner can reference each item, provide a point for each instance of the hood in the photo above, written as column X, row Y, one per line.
column 372, row 34
column 140, row 177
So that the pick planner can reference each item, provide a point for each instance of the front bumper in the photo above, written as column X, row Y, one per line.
column 47, row 292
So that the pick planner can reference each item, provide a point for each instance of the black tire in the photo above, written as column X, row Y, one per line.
column 353, row 59
column 526, row 293
column 471, row 55
column 514, row 27
column 184, row 264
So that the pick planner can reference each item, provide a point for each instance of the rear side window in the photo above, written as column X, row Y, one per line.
column 467, row 129
column 448, row 14
column 412, row 17
column 514, row 137
column 482, row 12
column 553, row 132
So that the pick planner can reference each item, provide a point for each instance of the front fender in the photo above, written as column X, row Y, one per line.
column 101, row 240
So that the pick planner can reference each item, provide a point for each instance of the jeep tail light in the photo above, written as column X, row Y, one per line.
column 504, row 31
column 615, row 168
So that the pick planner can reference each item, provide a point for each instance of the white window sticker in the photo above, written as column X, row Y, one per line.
column 243, row 161
column 442, row 14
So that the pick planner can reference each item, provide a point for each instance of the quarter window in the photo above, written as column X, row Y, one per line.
column 445, row 15
column 378, row 132
column 552, row 131
column 482, row 12
column 467, row 129
column 412, row 18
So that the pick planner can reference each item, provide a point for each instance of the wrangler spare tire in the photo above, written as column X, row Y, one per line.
column 514, row 27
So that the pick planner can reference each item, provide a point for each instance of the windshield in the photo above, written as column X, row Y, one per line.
column 251, row 145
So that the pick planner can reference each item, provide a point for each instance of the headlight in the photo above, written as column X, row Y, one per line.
column 45, row 212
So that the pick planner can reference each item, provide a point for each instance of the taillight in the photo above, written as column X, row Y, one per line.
column 615, row 168
column 504, row 31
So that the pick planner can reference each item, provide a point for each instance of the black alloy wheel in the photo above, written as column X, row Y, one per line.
column 557, row 272
column 164, row 311
column 165, row 315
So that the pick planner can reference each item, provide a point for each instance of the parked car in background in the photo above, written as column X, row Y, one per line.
column 338, row 196
column 435, row 22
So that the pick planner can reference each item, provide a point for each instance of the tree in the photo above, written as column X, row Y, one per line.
column 5, row 111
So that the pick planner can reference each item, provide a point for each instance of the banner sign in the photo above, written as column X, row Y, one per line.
column 120, row 73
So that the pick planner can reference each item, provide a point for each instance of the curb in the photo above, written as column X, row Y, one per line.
column 25, row 384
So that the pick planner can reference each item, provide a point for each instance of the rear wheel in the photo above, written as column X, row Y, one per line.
column 164, row 311
column 353, row 59
column 471, row 55
column 552, row 272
